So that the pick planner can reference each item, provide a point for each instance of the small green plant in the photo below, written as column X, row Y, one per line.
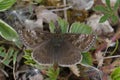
column 87, row 59
column 8, row 55
column 109, row 12
column 115, row 75
column 76, row 27
column 29, row 60
column 52, row 73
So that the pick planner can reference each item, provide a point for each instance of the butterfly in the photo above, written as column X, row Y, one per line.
column 61, row 48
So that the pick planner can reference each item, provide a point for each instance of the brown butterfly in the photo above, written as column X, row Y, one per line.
column 61, row 48
column 49, row 48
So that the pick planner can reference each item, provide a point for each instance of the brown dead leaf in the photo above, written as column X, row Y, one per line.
column 46, row 15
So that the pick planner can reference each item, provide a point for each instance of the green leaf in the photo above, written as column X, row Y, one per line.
column 52, row 27
column 114, row 19
column 10, row 53
column 2, row 52
column 100, row 8
column 1, row 0
column 108, row 4
column 7, row 59
column 28, row 57
column 6, row 62
column 115, row 75
column 80, row 28
column 63, row 24
column 18, row 43
column 8, row 56
column 104, row 18
column 53, row 74
column 116, row 6
column 6, row 4
column 7, row 32
column 87, row 59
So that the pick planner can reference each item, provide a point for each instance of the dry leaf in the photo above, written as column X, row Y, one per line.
column 75, row 70
column 99, row 28
column 99, row 58
column 45, row 15
column 81, row 4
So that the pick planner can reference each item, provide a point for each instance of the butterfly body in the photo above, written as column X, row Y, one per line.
column 57, row 40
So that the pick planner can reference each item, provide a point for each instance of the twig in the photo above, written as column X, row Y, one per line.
column 62, row 9
column 55, row 7
column 65, row 11
column 14, row 72
column 5, row 73
column 117, row 56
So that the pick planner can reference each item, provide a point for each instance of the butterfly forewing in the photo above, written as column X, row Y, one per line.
column 81, row 41
column 34, row 37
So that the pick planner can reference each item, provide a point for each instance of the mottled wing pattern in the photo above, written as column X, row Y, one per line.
column 68, row 55
column 43, row 54
column 82, row 41
column 37, row 39
column 34, row 37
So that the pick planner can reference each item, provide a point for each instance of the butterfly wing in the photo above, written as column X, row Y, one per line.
column 37, row 39
column 43, row 54
column 31, row 37
column 68, row 55
column 73, row 46
column 34, row 37
column 82, row 41
column 63, row 53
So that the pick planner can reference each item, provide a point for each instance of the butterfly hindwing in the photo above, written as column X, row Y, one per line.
column 68, row 55
column 43, row 54
column 60, row 51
